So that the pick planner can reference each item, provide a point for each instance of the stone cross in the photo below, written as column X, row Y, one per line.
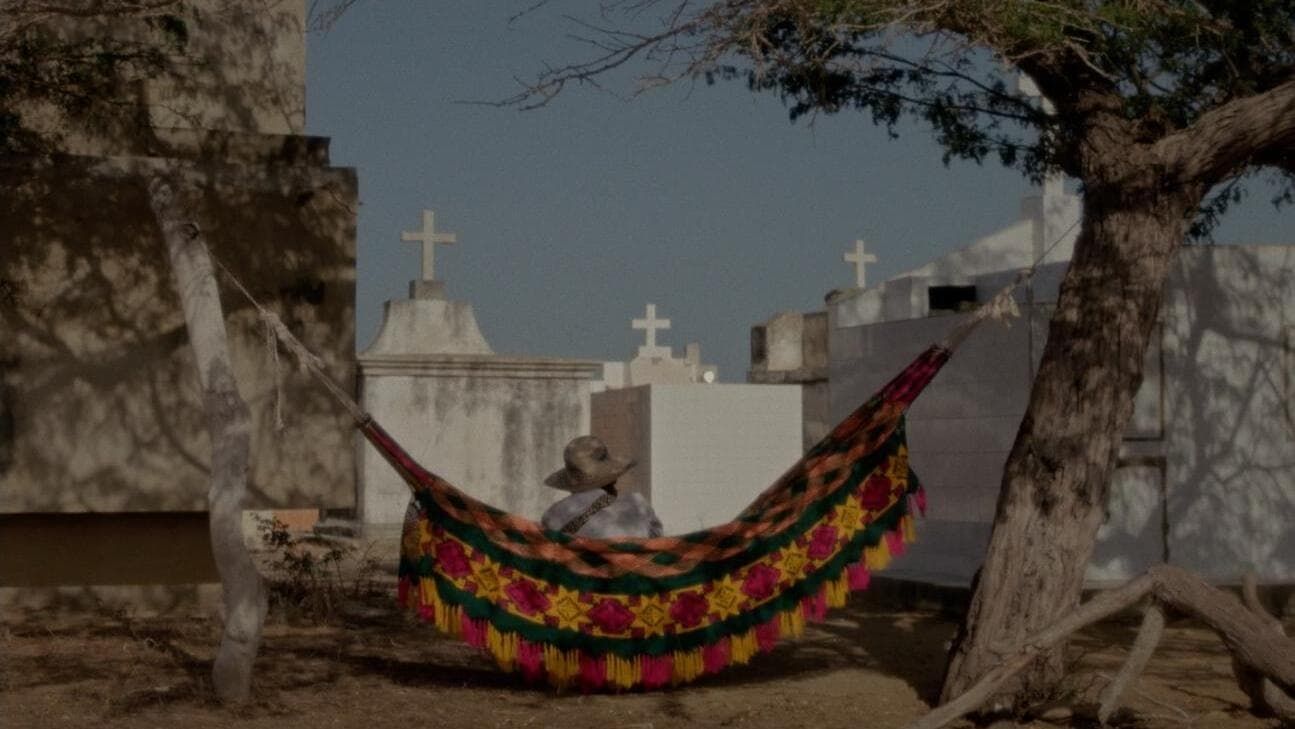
column 860, row 261
column 429, row 238
column 651, row 324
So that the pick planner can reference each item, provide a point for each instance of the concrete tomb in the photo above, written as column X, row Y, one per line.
column 704, row 452
column 791, row 348
column 492, row 425
column 654, row 363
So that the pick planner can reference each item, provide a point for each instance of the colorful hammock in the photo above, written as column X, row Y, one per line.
column 666, row 610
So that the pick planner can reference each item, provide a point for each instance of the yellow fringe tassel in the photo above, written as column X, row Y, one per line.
column 838, row 591
column 503, row 646
column 742, row 647
column 910, row 528
column 449, row 618
column 623, row 673
column 427, row 594
column 878, row 557
column 791, row 623
column 562, row 666
column 688, row 666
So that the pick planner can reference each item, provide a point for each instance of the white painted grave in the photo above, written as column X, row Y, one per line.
column 493, row 425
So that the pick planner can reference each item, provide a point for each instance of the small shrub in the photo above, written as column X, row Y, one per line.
column 310, row 577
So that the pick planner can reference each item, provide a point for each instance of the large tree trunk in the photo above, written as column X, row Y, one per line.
column 1054, row 487
column 229, row 423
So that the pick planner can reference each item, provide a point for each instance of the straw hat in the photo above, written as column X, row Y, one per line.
column 589, row 466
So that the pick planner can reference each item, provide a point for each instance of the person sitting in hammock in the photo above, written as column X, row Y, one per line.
column 594, row 508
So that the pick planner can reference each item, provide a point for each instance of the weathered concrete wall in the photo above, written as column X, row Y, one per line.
column 704, row 451
column 241, row 69
column 493, row 426
column 960, row 429
column 250, row 74
column 101, row 405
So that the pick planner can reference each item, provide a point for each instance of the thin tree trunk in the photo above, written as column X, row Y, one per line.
column 229, row 423
column 1054, row 488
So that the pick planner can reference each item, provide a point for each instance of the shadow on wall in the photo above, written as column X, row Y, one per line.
column 100, row 407
column 1230, row 369
column 1216, row 492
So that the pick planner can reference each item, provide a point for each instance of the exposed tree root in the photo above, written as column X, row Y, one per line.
column 1258, row 645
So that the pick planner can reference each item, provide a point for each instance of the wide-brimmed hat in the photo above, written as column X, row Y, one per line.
column 589, row 466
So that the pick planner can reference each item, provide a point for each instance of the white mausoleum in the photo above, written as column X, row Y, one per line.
column 493, row 425
column 1206, row 475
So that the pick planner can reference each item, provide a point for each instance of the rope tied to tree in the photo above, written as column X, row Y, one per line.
column 271, row 343
column 1002, row 306
column 308, row 360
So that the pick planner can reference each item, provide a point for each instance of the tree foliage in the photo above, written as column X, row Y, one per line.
column 1160, row 64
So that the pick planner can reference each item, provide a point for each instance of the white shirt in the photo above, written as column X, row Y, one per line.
column 630, row 515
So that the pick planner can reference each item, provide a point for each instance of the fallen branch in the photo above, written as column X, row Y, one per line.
column 1101, row 606
column 1153, row 626
column 1249, row 636
column 1264, row 696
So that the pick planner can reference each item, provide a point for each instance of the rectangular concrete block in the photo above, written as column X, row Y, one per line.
column 716, row 447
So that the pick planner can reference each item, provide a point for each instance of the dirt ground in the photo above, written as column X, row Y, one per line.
column 371, row 666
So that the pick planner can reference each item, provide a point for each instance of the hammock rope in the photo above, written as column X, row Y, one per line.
column 647, row 613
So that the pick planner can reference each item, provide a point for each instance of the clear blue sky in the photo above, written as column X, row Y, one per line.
column 705, row 200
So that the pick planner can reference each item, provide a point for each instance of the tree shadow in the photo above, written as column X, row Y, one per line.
column 100, row 410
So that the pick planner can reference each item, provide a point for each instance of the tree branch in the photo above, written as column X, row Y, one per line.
column 1242, row 132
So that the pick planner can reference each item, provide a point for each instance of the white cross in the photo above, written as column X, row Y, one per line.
column 429, row 238
column 860, row 261
column 651, row 324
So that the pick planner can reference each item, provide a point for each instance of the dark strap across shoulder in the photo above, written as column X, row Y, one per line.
column 602, row 502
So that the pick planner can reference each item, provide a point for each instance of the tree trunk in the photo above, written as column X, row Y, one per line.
column 1053, row 494
column 229, row 423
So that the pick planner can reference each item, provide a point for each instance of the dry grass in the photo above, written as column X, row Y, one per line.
column 370, row 666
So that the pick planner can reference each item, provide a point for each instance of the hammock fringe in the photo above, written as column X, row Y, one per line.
column 594, row 672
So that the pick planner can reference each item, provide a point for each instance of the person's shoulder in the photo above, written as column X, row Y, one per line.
column 639, row 502
column 565, row 508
